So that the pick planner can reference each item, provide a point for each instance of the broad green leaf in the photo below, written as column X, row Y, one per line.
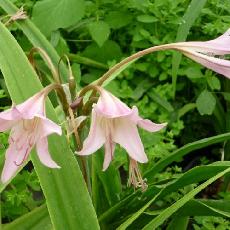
column 206, row 103
column 35, row 36
column 34, row 220
column 188, row 148
column 157, row 221
column 188, row 19
column 99, row 31
column 66, row 195
column 60, row 14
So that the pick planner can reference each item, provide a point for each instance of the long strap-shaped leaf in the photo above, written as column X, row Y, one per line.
column 68, row 201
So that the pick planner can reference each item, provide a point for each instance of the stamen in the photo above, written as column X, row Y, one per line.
column 135, row 177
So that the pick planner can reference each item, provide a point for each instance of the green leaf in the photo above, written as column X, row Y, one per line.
column 34, row 220
column 65, row 191
column 214, row 82
column 145, row 18
column 188, row 148
column 166, row 213
column 194, row 72
column 206, row 103
column 99, row 32
column 50, row 15
column 118, row 19
column 189, row 18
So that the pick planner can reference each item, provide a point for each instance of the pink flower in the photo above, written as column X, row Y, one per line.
column 114, row 122
column 206, row 53
column 29, row 127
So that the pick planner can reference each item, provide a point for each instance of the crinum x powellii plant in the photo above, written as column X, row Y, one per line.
column 112, row 122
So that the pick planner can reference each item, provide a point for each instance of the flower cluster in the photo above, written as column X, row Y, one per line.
column 112, row 121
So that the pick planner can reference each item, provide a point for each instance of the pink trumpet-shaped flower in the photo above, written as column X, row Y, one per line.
column 114, row 122
column 206, row 53
column 29, row 127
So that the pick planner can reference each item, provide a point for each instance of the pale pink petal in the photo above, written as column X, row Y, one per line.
column 218, row 46
column 110, row 106
column 96, row 137
column 13, row 160
column 48, row 127
column 9, row 118
column 109, row 151
column 33, row 106
column 44, row 155
column 150, row 126
column 218, row 65
column 126, row 134
column 145, row 123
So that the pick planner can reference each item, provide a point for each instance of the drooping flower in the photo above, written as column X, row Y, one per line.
column 209, row 53
column 114, row 122
column 29, row 127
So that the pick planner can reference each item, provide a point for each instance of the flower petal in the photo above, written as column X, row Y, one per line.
column 109, row 152
column 110, row 106
column 13, row 160
column 150, row 126
column 44, row 155
column 9, row 118
column 48, row 127
column 33, row 106
column 218, row 46
column 126, row 134
column 218, row 65
column 96, row 137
